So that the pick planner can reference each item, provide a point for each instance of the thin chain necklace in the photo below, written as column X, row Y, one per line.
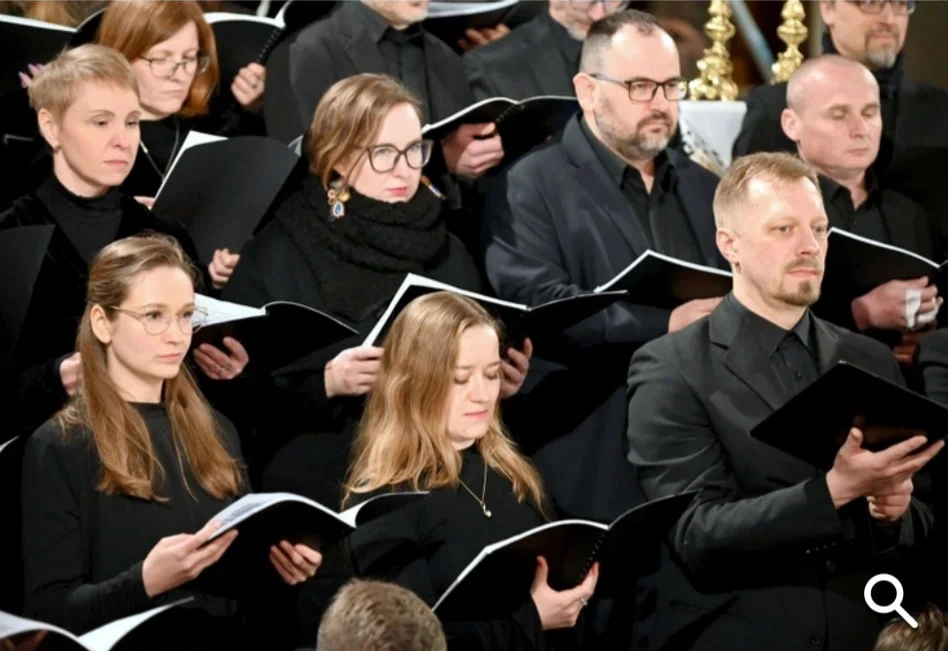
column 480, row 500
column 174, row 150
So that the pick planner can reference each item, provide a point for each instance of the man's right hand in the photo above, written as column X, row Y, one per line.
column 353, row 371
column 884, row 307
column 858, row 472
column 687, row 313
column 70, row 372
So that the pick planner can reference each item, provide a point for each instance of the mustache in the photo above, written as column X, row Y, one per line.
column 656, row 116
column 884, row 29
column 810, row 265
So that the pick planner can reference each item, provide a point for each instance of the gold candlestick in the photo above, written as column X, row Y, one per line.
column 714, row 81
column 793, row 32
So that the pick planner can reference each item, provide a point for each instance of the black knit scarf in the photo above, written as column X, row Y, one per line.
column 360, row 259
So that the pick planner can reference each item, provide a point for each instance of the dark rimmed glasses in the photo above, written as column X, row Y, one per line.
column 643, row 90
column 157, row 322
column 166, row 67
column 874, row 7
column 383, row 158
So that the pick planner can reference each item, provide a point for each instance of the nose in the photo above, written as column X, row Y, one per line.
column 175, row 334
column 122, row 137
column 402, row 168
column 596, row 12
column 479, row 393
column 808, row 244
column 858, row 126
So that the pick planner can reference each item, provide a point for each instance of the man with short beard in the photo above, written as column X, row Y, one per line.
column 569, row 217
column 914, row 148
column 774, row 553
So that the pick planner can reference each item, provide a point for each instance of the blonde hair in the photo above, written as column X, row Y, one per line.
column 349, row 117
column 931, row 634
column 135, row 26
column 403, row 437
column 379, row 616
column 778, row 167
column 58, row 84
column 127, row 456
column 61, row 12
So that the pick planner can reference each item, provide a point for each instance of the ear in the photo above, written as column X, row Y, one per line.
column 101, row 325
column 49, row 128
column 585, row 87
column 727, row 244
column 790, row 123
column 828, row 12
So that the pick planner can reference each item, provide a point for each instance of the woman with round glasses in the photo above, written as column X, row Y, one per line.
column 121, row 486
column 171, row 48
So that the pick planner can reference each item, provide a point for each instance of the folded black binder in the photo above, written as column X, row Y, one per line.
column 221, row 188
column 856, row 265
column 109, row 637
column 449, row 20
column 814, row 424
column 22, row 251
column 24, row 41
column 522, row 125
column 88, row 29
column 625, row 549
column 542, row 323
column 264, row 519
column 662, row 281
column 242, row 39
column 274, row 335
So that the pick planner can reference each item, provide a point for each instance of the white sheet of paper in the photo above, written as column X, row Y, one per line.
column 219, row 311
column 913, row 301
column 105, row 637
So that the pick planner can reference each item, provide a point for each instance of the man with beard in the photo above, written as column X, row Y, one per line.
column 773, row 553
column 914, row 146
column 571, row 216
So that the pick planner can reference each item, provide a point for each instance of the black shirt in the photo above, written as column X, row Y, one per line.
column 83, row 550
column 425, row 546
column 89, row 223
column 663, row 218
column 867, row 220
column 791, row 352
column 568, row 46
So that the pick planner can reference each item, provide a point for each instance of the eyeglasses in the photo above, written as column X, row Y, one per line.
column 643, row 90
column 384, row 158
column 167, row 67
column 608, row 6
column 157, row 322
column 873, row 7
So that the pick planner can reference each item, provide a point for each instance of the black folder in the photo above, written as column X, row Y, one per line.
column 658, row 280
column 241, row 39
column 542, row 324
column 274, row 335
column 264, row 519
column 221, row 190
column 449, row 20
column 856, row 265
column 814, row 424
column 625, row 549
column 88, row 29
column 22, row 251
column 24, row 41
column 522, row 125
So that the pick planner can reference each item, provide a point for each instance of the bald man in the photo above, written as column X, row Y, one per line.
column 773, row 554
column 834, row 118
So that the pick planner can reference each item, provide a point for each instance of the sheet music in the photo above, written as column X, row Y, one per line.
column 105, row 637
column 6, row 443
column 253, row 503
column 219, row 311
column 654, row 254
column 193, row 139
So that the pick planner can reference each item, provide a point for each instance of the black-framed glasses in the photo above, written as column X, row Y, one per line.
column 384, row 158
column 874, row 7
column 156, row 322
column 608, row 6
column 643, row 90
column 166, row 66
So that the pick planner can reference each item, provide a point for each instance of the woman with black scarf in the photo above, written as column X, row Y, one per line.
column 343, row 243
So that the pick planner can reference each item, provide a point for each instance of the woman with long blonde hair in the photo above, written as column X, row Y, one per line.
column 136, row 459
column 432, row 422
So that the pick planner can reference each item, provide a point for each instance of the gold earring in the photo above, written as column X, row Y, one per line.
column 337, row 196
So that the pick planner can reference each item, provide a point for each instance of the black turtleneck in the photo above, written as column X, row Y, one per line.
column 88, row 222
column 85, row 549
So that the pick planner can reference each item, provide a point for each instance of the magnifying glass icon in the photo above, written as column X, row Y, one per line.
column 895, row 606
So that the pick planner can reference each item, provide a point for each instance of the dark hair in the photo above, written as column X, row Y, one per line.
column 599, row 36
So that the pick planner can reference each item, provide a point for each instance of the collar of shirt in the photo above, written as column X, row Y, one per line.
column 569, row 46
column 376, row 27
column 768, row 333
column 833, row 191
column 616, row 168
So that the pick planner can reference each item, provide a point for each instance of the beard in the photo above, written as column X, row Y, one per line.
column 881, row 57
column 641, row 144
column 807, row 292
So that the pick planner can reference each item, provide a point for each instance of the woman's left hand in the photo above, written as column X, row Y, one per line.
column 294, row 563
column 248, row 86
column 515, row 368
column 219, row 365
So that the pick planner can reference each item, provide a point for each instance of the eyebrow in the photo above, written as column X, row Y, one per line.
column 164, row 306
column 469, row 367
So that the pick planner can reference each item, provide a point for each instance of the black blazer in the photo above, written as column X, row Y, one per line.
column 523, row 64
column 339, row 47
column 761, row 557
column 911, row 159
column 556, row 226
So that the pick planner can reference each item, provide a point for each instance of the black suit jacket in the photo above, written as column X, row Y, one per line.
column 558, row 226
column 525, row 63
column 761, row 560
column 911, row 159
